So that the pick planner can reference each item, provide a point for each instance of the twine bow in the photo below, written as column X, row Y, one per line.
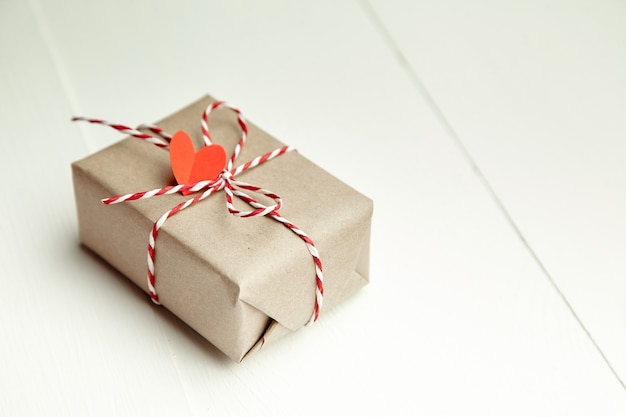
column 226, row 181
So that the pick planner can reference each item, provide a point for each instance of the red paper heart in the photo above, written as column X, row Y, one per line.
column 190, row 166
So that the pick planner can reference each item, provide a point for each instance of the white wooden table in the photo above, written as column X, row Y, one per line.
column 491, row 136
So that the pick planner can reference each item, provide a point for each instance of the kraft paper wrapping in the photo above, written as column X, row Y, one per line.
column 239, row 282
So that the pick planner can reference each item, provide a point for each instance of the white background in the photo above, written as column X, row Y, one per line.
column 491, row 136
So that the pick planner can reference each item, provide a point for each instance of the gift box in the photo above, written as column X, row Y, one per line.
column 239, row 282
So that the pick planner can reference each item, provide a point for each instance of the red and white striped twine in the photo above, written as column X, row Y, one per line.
column 164, row 142
column 225, row 181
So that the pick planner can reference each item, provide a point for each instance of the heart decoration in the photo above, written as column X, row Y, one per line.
column 190, row 166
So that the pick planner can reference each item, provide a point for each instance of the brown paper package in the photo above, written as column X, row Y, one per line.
column 239, row 282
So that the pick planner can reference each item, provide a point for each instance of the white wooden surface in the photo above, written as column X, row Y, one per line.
column 490, row 135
